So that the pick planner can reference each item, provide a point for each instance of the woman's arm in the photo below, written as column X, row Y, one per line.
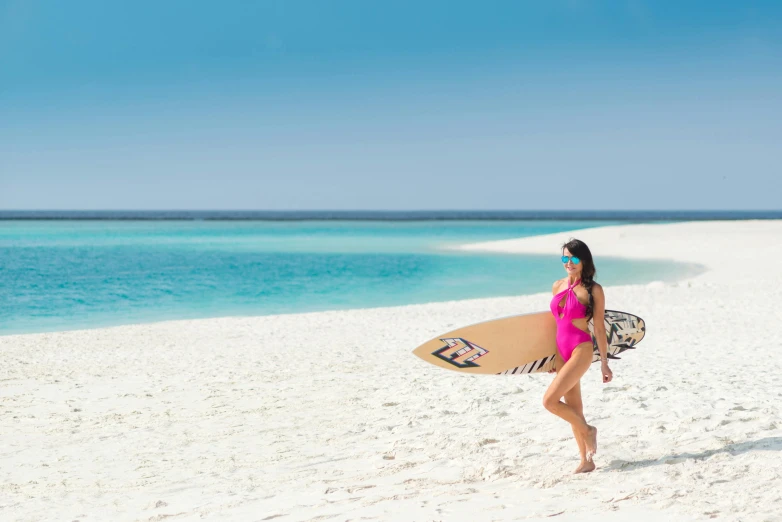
column 598, row 314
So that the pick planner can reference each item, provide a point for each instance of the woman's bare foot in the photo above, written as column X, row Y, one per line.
column 585, row 467
column 590, row 440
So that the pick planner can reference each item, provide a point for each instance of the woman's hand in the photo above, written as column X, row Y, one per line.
column 606, row 371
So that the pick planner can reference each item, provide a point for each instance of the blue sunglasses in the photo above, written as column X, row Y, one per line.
column 571, row 258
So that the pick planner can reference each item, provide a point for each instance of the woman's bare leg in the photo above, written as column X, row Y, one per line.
column 573, row 398
column 567, row 377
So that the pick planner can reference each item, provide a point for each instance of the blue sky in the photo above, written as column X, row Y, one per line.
column 390, row 105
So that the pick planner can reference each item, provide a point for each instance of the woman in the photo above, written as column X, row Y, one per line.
column 577, row 299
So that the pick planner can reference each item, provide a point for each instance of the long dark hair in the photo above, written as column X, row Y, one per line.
column 581, row 250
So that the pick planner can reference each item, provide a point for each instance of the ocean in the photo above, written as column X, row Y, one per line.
column 64, row 274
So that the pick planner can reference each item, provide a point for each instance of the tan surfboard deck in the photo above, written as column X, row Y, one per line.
column 521, row 344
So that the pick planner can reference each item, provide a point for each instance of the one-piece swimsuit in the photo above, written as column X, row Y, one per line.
column 568, row 335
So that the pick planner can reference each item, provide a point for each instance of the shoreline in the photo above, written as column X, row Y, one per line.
column 500, row 247
column 184, row 322
column 327, row 414
column 629, row 241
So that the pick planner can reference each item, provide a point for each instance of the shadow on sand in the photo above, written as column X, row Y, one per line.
column 767, row 444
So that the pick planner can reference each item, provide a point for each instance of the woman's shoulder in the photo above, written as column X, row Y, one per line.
column 557, row 284
column 597, row 289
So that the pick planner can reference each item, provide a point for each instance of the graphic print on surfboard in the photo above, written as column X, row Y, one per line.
column 519, row 344
column 457, row 347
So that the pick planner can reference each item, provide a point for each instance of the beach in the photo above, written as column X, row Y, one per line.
column 328, row 416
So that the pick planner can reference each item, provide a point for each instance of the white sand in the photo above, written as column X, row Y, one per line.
column 327, row 416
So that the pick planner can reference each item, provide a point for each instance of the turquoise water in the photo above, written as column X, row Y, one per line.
column 57, row 275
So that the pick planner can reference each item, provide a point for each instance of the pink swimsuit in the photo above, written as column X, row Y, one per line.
column 568, row 335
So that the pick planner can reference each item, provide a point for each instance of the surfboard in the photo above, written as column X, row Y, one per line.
column 521, row 344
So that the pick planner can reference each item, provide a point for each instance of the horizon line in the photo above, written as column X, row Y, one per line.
column 382, row 215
